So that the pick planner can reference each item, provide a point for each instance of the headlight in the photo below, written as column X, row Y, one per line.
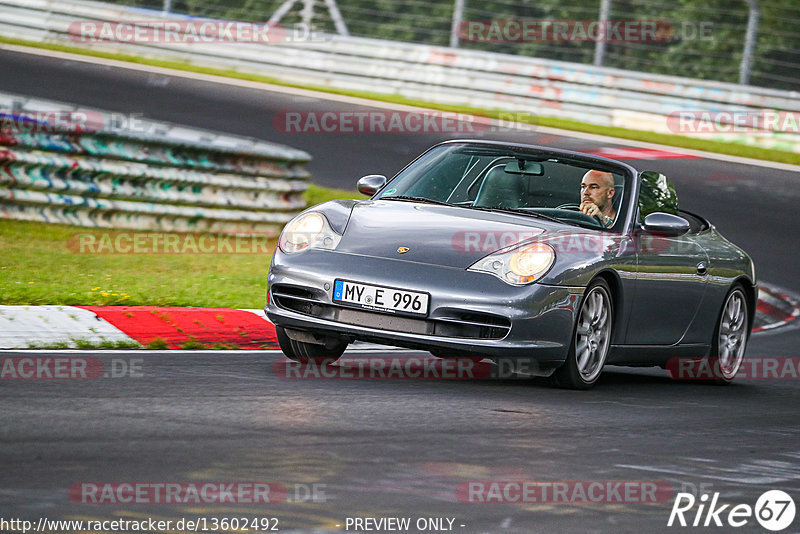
column 519, row 266
column 309, row 230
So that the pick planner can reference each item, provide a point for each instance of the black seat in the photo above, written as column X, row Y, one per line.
column 501, row 190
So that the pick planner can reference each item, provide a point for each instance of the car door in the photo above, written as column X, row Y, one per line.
column 670, row 286
column 671, row 275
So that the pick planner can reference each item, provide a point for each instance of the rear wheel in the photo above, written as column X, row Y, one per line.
column 730, row 338
column 303, row 352
column 591, row 339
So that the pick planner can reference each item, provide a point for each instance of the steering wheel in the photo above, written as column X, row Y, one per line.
column 577, row 207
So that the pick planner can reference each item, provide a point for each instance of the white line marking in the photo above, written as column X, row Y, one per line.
column 148, row 352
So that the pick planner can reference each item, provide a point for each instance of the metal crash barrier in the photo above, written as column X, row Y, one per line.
column 63, row 164
column 598, row 95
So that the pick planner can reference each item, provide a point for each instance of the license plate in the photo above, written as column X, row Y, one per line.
column 380, row 298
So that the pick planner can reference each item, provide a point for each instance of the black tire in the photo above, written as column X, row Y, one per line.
column 591, row 339
column 285, row 343
column 736, row 330
column 302, row 352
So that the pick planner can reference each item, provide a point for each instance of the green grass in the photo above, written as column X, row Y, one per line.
column 80, row 343
column 38, row 267
column 106, row 344
column 56, row 345
column 157, row 344
column 729, row 148
column 316, row 195
column 192, row 344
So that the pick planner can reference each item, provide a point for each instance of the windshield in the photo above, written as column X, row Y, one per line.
column 513, row 179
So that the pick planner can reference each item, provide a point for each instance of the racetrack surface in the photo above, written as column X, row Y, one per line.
column 384, row 447
column 400, row 447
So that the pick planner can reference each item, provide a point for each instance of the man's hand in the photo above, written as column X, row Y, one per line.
column 590, row 208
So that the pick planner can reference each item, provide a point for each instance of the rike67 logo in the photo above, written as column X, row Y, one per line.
column 774, row 510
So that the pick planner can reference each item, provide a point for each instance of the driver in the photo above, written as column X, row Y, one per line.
column 597, row 191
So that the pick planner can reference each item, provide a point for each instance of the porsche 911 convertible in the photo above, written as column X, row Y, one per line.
column 559, row 260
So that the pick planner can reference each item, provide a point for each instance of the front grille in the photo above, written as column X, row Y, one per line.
column 297, row 299
column 384, row 321
column 472, row 325
column 462, row 324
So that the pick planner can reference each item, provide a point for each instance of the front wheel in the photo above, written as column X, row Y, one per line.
column 303, row 352
column 591, row 339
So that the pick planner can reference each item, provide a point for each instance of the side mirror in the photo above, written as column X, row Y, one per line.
column 371, row 184
column 666, row 223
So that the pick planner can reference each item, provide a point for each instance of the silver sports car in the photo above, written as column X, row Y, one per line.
column 556, row 259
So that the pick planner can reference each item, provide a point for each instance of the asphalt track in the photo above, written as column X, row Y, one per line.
column 385, row 448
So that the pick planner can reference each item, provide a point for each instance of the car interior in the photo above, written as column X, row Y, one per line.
column 546, row 187
column 485, row 179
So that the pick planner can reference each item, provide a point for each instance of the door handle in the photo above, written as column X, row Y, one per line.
column 702, row 269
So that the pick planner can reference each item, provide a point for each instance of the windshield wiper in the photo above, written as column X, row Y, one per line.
column 417, row 199
column 525, row 212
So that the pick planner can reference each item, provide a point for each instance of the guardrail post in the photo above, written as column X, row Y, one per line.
column 458, row 16
column 338, row 20
column 307, row 14
column 600, row 45
column 749, row 43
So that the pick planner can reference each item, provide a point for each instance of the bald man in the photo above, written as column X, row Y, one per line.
column 597, row 192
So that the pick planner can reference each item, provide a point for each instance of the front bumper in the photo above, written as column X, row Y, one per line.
column 470, row 313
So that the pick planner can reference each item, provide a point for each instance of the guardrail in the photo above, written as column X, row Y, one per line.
column 63, row 164
column 597, row 95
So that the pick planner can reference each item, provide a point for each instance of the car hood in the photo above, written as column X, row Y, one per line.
column 440, row 235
